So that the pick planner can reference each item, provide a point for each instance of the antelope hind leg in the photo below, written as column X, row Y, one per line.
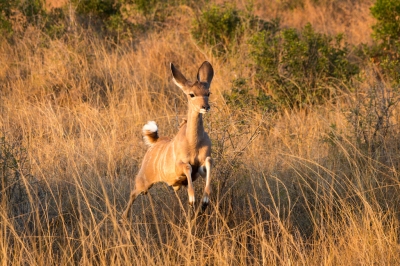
column 134, row 194
column 140, row 188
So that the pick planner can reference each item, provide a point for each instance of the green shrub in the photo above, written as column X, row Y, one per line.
column 32, row 10
column 114, row 17
column 217, row 27
column 34, row 13
column 387, row 31
column 106, row 13
column 100, row 8
column 243, row 96
column 146, row 6
column 387, row 28
column 223, row 27
column 5, row 14
column 301, row 68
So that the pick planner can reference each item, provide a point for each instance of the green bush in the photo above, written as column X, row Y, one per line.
column 106, row 13
column 32, row 10
column 301, row 68
column 34, row 13
column 108, row 17
column 386, row 32
column 243, row 96
column 217, row 27
column 5, row 14
column 297, row 68
column 222, row 27
column 114, row 17
column 387, row 28
column 100, row 8
column 146, row 6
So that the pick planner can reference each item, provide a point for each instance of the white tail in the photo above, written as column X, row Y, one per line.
column 150, row 133
column 180, row 160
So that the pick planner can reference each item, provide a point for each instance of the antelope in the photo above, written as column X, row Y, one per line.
column 180, row 160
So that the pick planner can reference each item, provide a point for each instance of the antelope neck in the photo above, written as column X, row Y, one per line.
column 194, row 128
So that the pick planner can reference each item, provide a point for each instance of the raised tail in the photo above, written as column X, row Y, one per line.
column 150, row 133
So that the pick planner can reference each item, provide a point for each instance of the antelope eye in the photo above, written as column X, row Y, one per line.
column 208, row 94
column 191, row 95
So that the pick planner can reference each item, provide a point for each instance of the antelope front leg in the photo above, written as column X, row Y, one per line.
column 207, row 189
column 187, row 170
column 133, row 196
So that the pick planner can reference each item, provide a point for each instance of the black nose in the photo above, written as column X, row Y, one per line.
column 207, row 108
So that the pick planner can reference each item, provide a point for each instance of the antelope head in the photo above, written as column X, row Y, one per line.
column 197, row 92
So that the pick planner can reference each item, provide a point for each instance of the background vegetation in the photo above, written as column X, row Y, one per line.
column 304, row 124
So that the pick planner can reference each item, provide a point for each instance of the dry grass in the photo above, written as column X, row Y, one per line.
column 289, row 189
column 350, row 17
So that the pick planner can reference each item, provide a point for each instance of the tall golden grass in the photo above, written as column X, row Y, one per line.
column 293, row 188
column 352, row 18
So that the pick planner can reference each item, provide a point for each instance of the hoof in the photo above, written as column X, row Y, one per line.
column 205, row 203
column 204, row 207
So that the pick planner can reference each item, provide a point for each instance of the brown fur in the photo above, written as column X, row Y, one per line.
column 180, row 160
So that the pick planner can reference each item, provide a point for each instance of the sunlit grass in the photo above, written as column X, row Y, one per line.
column 289, row 188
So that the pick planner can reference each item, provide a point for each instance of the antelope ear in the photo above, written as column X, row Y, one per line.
column 205, row 73
column 178, row 77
